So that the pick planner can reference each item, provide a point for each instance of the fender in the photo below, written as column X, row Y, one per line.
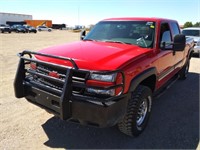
column 141, row 77
column 188, row 57
column 190, row 53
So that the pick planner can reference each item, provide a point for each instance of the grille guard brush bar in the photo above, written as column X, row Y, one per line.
column 47, row 55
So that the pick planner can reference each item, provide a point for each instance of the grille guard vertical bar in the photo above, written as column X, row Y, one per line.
column 65, row 97
column 19, row 78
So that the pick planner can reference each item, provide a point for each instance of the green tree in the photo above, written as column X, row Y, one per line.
column 197, row 24
column 188, row 24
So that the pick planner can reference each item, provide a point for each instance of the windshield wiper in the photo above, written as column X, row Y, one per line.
column 111, row 41
column 141, row 42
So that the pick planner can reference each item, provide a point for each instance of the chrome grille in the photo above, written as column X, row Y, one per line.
column 78, row 78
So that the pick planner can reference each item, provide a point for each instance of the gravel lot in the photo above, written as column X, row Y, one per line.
column 174, row 123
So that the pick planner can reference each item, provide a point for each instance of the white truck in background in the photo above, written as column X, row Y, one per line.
column 193, row 32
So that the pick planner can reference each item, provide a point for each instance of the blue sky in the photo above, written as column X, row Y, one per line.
column 86, row 12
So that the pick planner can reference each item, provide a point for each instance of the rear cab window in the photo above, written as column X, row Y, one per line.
column 191, row 32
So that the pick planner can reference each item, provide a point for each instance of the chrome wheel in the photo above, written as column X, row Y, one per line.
column 142, row 111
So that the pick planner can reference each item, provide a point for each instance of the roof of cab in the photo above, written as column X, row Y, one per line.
column 192, row 28
column 138, row 18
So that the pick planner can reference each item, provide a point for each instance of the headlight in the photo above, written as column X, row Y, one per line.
column 106, row 78
column 98, row 83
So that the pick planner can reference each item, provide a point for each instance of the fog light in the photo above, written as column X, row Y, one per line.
column 110, row 92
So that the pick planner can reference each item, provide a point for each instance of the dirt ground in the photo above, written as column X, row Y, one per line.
column 21, row 123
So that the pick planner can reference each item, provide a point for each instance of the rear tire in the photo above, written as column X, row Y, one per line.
column 138, row 112
column 184, row 71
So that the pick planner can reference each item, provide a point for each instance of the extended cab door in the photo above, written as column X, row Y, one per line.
column 166, row 57
column 179, row 55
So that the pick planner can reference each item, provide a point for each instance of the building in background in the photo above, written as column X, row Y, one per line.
column 13, row 18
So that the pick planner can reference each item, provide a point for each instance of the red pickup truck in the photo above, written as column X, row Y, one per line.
column 110, row 76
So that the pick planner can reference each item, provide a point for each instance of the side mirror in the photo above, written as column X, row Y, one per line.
column 179, row 42
column 83, row 34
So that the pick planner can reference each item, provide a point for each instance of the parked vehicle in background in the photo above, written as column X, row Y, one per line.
column 4, row 28
column 59, row 26
column 18, row 29
column 193, row 32
column 44, row 28
column 109, row 77
column 30, row 29
column 78, row 28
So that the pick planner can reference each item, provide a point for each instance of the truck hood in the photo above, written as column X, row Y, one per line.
column 94, row 55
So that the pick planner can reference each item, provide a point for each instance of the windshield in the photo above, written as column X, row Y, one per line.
column 191, row 32
column 139, row 33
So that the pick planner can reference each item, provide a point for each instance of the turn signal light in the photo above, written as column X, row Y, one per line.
column 99, row 83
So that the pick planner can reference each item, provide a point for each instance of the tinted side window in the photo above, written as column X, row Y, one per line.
column 165, row 36
column 175, row 28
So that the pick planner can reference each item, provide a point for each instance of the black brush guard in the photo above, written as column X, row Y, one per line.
column 53, row 99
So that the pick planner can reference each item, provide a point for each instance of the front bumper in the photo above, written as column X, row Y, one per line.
column 69, row 102
column 76, row 110
column 196, row 49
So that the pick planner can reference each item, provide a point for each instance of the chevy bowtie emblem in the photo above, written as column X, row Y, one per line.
column 54, row 74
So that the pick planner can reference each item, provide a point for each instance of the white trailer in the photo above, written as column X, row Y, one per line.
column 4, row 17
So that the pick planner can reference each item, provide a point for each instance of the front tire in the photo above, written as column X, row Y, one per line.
column 138, row 112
